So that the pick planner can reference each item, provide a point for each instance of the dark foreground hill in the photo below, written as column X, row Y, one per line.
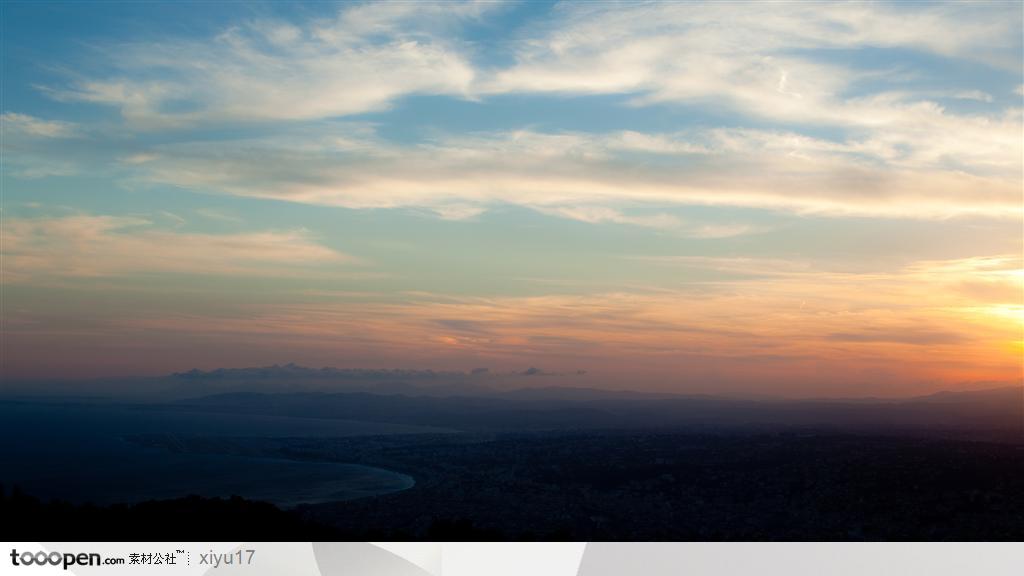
column 627, row 485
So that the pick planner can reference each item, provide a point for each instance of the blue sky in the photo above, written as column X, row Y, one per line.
column 383, row 169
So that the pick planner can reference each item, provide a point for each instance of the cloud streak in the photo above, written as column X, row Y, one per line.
column 593, row 177
column 266, row 70
column 756, row 59
column 88, row 246
column 36, row 127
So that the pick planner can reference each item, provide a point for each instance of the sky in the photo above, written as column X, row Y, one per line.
column 785, row 199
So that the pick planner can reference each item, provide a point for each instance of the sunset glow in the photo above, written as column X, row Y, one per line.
column 803, row 202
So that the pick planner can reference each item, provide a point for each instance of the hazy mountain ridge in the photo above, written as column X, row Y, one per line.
column 999, row 410
column 292, row 370
column 288, row 378
column 484, row 400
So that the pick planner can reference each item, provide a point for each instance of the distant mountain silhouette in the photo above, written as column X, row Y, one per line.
column 485, row 400
column 292, row 370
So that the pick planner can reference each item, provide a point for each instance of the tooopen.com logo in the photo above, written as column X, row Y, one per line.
column 60, row 558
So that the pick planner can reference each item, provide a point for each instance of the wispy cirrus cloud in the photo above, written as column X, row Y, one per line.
column 598, row 177
column 756, row 59
column 358, row 61
column 24, row 124
column 28, row 145
column 90, row 246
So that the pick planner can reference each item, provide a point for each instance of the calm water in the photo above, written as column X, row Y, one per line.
column 77, row 452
